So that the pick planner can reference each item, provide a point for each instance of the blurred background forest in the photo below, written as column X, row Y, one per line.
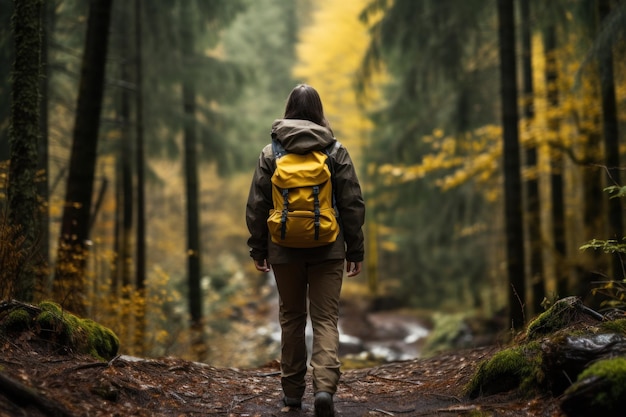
column 148, row 117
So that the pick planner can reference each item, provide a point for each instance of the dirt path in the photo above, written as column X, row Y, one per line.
column 80, row 386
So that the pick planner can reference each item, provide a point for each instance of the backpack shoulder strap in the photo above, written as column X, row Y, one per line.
column 329, row 150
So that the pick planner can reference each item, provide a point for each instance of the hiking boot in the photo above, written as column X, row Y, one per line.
column 292, row 402
column 324, row 405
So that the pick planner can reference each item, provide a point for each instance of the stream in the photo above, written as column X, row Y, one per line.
column 384, row 336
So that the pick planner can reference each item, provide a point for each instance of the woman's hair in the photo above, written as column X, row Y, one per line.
column 305, row 103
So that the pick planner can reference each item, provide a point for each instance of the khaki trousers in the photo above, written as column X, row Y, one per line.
column 322, row 280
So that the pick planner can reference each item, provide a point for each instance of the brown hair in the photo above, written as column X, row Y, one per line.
column 305, row 103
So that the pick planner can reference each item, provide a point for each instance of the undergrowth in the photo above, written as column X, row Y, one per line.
column 613, row 290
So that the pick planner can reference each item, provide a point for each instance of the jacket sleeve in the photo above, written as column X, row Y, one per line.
column 350, row 205
column 259, row 204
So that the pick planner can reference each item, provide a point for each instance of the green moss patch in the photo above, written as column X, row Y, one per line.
column 564, row 313
column 614, row 326
column 17, row 320
column 600, row 388
column 101, row 341
column 518, row 367
column 61, row 329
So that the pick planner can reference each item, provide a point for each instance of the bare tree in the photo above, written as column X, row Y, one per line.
column 191, row 181
column 140, row 241
column 512, row 178
column 69, row 285
column 611, row 139
column 533, row 208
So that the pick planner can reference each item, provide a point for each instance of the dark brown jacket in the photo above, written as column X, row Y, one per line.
column 301, row 136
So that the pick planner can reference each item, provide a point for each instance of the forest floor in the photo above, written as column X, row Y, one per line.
column 38, row 381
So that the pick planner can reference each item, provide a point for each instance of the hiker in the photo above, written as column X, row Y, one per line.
column 306, row 256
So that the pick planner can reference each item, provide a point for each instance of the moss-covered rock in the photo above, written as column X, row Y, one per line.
column 84, row 335
column 563, row 313
column 54, row 323
column 101, row 341
column 65, row 330
column 599, row 390
column 569, row 342
column 16, row 320
column 567, row 355
column 516, row 367
column 614, row 326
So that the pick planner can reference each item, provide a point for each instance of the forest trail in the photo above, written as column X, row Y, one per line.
column 65, row 384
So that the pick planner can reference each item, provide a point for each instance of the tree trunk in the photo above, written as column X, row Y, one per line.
column 7, row 58
column 533, row 209
column 116, row 271
column 140, row 268
column 193, row 221
column 514, row 229
column 593, row 263
column 611, row 143
column 126, row 150
column 556, row 171
column 48, row 17
column 23, row 141
column 69, row 281
column 124, row 180
column 191, row 183
column 140, row 256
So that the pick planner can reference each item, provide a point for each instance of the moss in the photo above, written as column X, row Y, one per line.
column 479, row 413
column 613, row 371
column 51, row 307
column 17, row 320
column 518, row 367
column 553, row 319
column 83, row 335
column 101, row 341
column 62, row 330
column 52, row 326
column 614, row 326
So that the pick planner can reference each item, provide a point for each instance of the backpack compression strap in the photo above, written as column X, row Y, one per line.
column 284, row 213
column 316, row 211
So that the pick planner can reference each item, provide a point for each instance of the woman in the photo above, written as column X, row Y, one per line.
column 317, row 271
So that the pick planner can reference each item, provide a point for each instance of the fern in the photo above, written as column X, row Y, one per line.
column 607, row 246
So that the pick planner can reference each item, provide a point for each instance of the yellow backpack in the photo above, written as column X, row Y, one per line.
column 304, row 214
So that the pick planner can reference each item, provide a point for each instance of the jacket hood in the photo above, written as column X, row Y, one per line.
column 301, row 136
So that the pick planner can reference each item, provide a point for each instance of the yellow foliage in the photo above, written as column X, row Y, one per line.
column 122, row 309
column 330, row 52
column 457, row 159
column 565, row 127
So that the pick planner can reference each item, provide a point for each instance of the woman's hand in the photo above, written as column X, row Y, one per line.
column 353, row 268
column 262, row 265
